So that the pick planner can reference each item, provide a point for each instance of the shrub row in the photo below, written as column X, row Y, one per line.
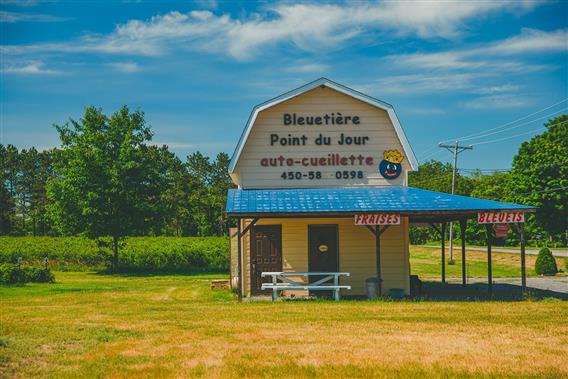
column 15, row 274
column 175, row 254
column 139, row 254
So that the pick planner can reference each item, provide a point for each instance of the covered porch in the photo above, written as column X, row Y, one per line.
column 364, row 250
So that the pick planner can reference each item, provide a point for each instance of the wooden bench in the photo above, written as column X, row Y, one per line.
column 286, row 283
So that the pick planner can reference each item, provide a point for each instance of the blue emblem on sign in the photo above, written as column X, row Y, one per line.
column 390, row 167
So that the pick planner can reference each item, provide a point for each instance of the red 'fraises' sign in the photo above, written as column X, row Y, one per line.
column 500, row 217
column 377, row 219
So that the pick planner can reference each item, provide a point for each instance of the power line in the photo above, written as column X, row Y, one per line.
column 432, row 154
column 510, row 137
column 521, row 134
column 513, row 127
column 507, row 124
column 509, row 169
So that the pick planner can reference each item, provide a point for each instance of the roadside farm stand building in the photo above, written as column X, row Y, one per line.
column 322, row 176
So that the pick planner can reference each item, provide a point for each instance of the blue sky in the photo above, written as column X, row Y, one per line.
column 197, row 68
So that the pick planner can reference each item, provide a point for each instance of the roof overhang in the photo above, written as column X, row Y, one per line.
column 419, row 205
column 324, row 82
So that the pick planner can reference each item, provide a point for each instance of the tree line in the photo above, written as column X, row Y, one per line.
column 538, row 177
column 108, row 179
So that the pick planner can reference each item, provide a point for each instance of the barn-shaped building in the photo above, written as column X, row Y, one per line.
column 323, row 204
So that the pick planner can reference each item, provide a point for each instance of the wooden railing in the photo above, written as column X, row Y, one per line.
column 281, row 281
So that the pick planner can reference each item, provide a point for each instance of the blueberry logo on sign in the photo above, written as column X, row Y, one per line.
column 390, row 167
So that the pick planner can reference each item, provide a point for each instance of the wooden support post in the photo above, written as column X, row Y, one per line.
column 371, row 229
column 489, row 229
column 246, row 229
column 239, row 260
column 378, row 256
column 523, row 260
column 462, row 233
column 443, row 234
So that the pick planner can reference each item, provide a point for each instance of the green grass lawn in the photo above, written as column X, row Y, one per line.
column 426, row 263
column 88, row 325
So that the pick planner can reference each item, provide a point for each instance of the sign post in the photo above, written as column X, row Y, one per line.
column 500, row 221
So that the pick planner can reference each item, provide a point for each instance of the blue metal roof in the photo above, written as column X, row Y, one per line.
column 356, row 199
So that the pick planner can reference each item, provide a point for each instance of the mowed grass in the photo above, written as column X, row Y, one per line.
column 88, row 325
column 426, row 262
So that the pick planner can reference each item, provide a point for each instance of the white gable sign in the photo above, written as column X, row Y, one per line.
column 322, row 136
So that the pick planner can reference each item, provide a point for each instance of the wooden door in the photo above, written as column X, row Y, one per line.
column 323, row 251
column 266, row 254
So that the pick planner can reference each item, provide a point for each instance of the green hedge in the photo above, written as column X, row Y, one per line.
column 15, row 274
column 139, row 254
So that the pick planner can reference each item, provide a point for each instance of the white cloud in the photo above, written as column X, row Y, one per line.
column 530, row 41
column 125, row 66
column 416, row 83
column 473, row 82
column 501, row 101
column 490, row 55
column 13, row 17
column 308, row 67
column 497, row 89
column 309, row 27
column 475, row 68
column 29, row 68
column 21, row 3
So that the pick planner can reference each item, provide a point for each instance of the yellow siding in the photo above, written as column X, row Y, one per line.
column 356, row 252
column 375, row 124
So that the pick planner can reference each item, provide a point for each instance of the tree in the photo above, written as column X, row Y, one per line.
column 106, row 180
column 176, row 198
column 199, row 168
column 34, row 171
column 432, row 175
column 492, row 187
column 6, row 199
column 220, row 184
column 539, row 177
column 435, row 176
column 10, row 164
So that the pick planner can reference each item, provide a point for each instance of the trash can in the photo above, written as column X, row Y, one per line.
column 372, row 288
column 396, row 293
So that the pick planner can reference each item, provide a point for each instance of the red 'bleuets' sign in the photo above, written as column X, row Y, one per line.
column 377, row 219
column 500, row 217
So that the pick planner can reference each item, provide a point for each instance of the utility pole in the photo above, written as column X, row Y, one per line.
column 455, row 150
